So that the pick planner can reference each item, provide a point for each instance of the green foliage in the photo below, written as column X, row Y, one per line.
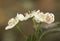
column 36, row 35
column 39, row 33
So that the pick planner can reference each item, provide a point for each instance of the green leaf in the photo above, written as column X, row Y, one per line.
column 37, row 33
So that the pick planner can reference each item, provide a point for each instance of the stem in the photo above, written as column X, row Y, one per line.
column 21, row 31
column 34, row 23
column 37, row 32
column 41, row 36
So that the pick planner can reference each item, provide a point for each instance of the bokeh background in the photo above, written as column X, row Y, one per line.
column 9, row 9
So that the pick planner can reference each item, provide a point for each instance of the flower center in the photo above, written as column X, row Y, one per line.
column 48, row 18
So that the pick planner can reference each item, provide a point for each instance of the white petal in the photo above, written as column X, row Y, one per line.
column 20, row 17
column 36, row 19
column 12, row 22
column 27, row 16
column 41, row 16
column 34, row 13
column 8, row 27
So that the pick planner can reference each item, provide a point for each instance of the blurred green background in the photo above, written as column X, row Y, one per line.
column 9, row 9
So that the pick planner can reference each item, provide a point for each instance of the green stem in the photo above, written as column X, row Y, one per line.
column 21, row 31
column 34, row 23
column 42, row 35
column 37, row 33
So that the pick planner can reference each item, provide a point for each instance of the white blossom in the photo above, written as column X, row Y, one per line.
column 8, row 27
column 20, row 17
column 40, row 17
column 49, row 18
column 27, row 16
column 34, row 13
column 11, row 23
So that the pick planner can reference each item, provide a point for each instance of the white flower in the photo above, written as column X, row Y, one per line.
column 37, row 16
column 34, row 13
column 12, row 22
column 49, row 18
column 27, row 16
column 36, row 19
column 20, row 17
column 8, row 27
column 40, row 17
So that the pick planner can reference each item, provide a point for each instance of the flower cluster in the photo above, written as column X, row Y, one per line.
column 36, row 15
